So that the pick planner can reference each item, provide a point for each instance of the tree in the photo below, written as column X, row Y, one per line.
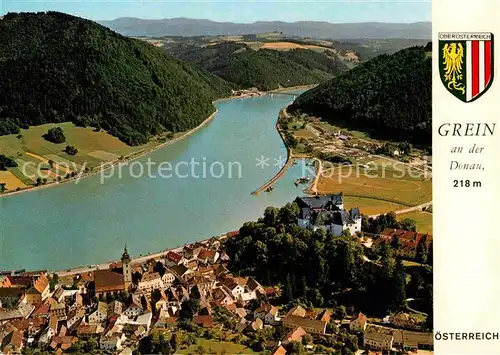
column 163, row 345
column 146, row 345
column 398, row 285
column 340, row 312
column 307, row 339
column 294, row 347
column 53, row 282
column 270, row 216
column 91, row 345
column 396, row 243
column 430, row 254
column 288, row 288
column 189, row 309
column 195, row 292
column 174, row 342
column 71, row 150
column 408, row 224
column 55, row 135
column 421, row 253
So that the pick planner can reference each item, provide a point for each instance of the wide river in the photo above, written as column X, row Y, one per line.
column 90, row 222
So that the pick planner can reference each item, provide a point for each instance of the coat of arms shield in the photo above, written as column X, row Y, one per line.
column 466, row 63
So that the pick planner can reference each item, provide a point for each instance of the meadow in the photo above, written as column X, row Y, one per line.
column 383, row 182
column 29, row 146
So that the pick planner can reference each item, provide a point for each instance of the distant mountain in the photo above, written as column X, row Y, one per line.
column 193, row 27
column 265, row 69
column 389, row 96
column 56, row 67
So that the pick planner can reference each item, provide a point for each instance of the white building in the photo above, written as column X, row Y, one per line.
column 100, row 314
column 168, row 279
column 150, row 281
column 327, row 213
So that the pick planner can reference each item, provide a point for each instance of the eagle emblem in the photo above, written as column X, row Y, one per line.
column 466, row 63
column 453, row 54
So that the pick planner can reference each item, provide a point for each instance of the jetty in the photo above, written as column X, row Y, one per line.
column 289, row 160
column 275, row 178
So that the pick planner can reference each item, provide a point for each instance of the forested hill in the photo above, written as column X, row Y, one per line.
column 264, row 68
column 390, row 96
column 55, row 67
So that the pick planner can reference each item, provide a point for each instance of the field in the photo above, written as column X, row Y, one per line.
column 422, row 219
column 369, row 206
column 94, row 148
column 216, row 347
column 388, row 182
column 290, row 45
column 11, row 181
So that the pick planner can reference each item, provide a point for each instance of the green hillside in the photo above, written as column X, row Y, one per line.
column 265, row 69
column 55, row 67
column 388, row 96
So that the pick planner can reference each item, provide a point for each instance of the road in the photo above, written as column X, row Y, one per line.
column 406, row 210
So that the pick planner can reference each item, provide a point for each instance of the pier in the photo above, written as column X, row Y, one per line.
column 275, row 178
column 289, row 159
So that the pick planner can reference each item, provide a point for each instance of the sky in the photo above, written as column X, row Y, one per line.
column 334, row 11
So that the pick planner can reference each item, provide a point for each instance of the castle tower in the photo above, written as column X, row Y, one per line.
column 127, row 270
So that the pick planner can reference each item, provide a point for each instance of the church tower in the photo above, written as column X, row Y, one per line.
column 127, row 271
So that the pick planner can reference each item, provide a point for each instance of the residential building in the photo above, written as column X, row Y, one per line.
column 10, row 296
column 100, row 314
column 12, row 343
column 359, row 323
column 39, row 291
column 168, row 279
column 294, row 335
column 58, row 310
column 298, row 311
column 309, row 325
column 133, row 310
column 173, row 258
column 208, row 256
column 377, row 341
column 408, row 241
column 150, row 281
column 268, row 313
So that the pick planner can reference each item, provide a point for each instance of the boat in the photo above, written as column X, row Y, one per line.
column 303, row 180
column 269, row 189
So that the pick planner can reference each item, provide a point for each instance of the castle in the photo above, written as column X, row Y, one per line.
column 327, row 212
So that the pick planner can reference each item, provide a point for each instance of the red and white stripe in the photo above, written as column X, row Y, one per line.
column 478, row 67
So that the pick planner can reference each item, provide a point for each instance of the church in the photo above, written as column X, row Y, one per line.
column 114, row 281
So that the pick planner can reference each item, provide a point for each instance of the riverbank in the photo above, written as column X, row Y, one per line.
column 111, row 164
column 130, row 157
column 137, row 259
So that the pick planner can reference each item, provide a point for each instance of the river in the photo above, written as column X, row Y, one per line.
column 90, row 222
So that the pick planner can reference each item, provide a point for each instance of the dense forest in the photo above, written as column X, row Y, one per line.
column 319, row 269
column 388, row 96
column 56, row 67
column 265, row 69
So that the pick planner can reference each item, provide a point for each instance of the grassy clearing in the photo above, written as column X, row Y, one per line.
column 333, row 129
column 289, row 45
column 217, row 347
column 84, row 139
column 381, row 182
column 370, row 207
column 304, row 133
column 94, row 148
column 422, row 219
